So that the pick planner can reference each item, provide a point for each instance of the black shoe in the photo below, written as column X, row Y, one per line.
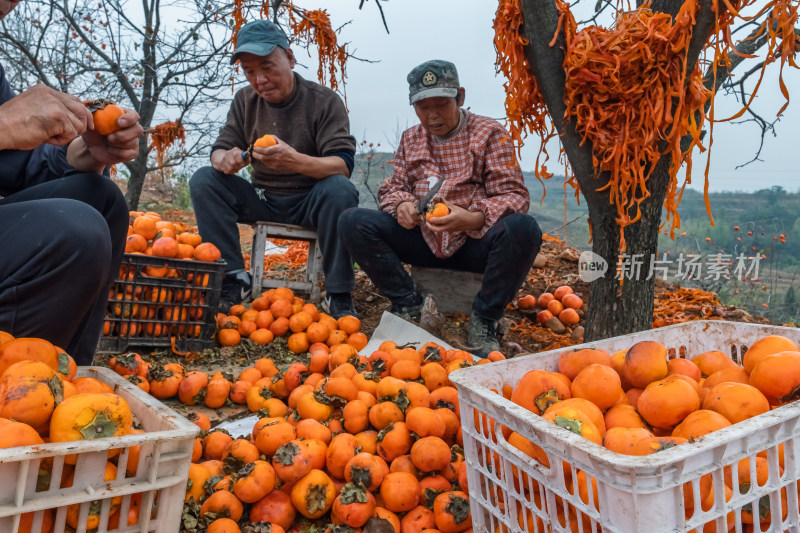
column 408, row 313
column 482, row 336
column 339, row 304
column 235, row 290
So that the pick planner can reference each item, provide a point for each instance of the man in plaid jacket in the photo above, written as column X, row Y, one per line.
column 487, row 229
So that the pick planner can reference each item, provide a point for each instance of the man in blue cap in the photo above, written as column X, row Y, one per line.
column 303, row 179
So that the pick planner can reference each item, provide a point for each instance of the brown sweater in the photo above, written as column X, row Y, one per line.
column 313, row 121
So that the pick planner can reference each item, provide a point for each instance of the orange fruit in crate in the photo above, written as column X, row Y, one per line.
column 135, row 243
column 145, row 226
column 207, row 252
column 699, row 423
column 192, row 239
column 165, row 247
column 645, row 362
column 683, row 366
column 571, row 363
column 185, row 251
column 622, row 439
column 777, row 376
column 713, row 361
column 600, row 384
column 736, row 401
column 651, row 445
column 665, row 403
column 766, row 346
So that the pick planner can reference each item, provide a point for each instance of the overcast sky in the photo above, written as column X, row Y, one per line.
column 461, row 31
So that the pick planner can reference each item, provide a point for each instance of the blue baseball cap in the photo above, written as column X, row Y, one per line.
column 260, row 38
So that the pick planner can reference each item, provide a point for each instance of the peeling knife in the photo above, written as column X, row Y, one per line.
column 422, row 205
column 248, row 153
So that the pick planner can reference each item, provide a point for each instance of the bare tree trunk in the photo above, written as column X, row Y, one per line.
column 138, row 171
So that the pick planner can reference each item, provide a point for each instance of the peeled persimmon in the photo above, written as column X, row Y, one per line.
column 265, row 141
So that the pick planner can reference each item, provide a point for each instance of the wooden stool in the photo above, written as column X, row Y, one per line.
column 453, row 290
column 264, row 230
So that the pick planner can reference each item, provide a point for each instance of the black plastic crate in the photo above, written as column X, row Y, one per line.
column 146, row 309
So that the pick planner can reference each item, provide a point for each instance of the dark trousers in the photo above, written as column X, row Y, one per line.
column 221, row 200
column 62, row 243
column 505, row 254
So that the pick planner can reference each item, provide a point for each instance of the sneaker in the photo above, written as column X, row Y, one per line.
column 482, row 336
column 235, row 290
column 339, row 304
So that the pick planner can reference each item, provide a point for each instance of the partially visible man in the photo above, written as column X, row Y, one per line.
column 303, row 179
column 486, row 230
column 62, row 222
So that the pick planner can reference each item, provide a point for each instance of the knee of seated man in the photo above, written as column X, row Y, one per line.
column 521, row 226
column 203, row 177
column 83, row 227
column 339, row 191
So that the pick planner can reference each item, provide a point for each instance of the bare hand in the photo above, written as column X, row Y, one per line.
column 459, row 219
column 42, row 115
column 229, row 161
column 122, row 145
column 407, row 215
column 280, row 157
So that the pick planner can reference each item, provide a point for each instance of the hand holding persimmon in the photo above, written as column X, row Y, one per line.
column 41, row 115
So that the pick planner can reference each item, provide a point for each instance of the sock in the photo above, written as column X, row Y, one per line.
column 240, row 274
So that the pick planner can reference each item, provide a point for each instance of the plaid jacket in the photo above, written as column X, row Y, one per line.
column 481, row 174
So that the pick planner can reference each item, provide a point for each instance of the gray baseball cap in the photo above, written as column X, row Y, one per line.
column 259, row 37
column 432, row 78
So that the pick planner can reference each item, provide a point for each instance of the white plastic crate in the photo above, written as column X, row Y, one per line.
column 636, row 494
column 162, row 472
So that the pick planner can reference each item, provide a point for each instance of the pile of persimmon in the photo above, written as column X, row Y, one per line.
column 149, row 309
column 279, row 313
column 557, row 308
column 346, row 438
column 42, row 401
column 148, row 234
column 641, row 401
